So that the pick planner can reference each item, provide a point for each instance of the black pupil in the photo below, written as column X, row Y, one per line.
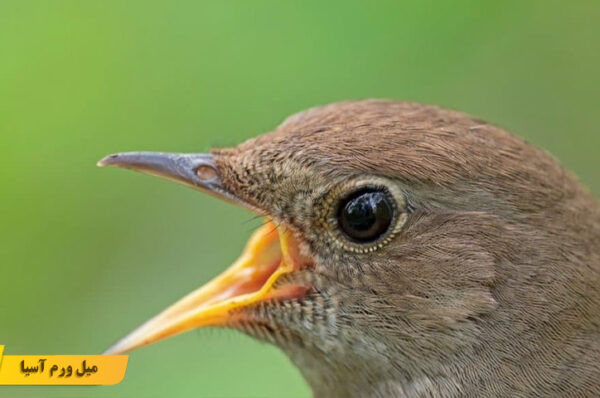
column 366, row 215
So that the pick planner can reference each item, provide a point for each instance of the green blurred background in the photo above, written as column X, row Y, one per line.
column 87, row 254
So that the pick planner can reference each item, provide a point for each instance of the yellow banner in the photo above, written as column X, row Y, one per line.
column 62, row 369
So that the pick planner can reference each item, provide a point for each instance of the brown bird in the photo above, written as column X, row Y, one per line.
column 412, row 251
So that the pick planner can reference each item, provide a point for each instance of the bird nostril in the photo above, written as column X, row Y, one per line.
column 206, row 173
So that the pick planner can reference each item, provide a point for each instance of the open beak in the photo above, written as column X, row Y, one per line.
column 268, row 255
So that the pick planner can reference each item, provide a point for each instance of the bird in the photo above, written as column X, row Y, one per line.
column 408, row 251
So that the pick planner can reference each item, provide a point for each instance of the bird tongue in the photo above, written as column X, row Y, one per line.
column 267, row 256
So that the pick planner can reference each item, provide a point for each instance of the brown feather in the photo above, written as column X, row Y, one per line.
column 491, row 286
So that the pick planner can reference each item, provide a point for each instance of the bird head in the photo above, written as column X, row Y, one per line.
column 403, row 243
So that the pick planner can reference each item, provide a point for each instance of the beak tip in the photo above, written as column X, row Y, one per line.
column 107, row 160
column 115, row 349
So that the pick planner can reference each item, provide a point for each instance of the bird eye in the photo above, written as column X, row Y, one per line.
column 366, row 215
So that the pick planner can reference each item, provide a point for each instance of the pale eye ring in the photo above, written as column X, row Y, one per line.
column 363, row 215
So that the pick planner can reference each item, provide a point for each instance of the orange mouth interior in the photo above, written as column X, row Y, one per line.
column 268, row 255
